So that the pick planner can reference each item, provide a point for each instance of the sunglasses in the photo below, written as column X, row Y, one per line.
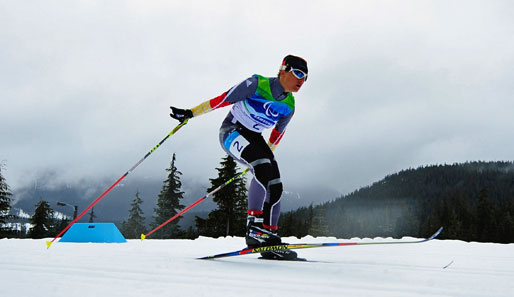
column 296, row 72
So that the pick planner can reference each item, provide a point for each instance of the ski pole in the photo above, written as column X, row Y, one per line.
column 143, row 236
column 48, row 243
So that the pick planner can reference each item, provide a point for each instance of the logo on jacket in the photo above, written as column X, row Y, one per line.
column 269, row 110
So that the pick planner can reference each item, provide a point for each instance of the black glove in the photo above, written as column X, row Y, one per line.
column 180, row 114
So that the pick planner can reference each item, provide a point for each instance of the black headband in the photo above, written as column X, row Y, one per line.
column 296, row 63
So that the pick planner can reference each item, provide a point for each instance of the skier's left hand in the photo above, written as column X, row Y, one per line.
column 180, row 114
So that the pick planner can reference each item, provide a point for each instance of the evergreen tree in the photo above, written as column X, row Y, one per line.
column 485, row 216
column 42, row 221
column 5, row 205
column 319, row 226
column 506, row 228
column 135, row 224
column 168, row 204
column 60, row 224
column 191, row 233
column 92, row 215
column 286, row 224
column 229, row 219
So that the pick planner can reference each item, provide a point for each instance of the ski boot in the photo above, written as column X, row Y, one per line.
column 285, row 254
column 258, row 236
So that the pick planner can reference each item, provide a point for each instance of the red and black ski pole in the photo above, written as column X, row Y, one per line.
column 48, row 243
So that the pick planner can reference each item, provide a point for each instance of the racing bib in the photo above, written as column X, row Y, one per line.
column 235, row 143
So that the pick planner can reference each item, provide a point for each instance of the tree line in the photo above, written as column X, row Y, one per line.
column 43, row 223
column 229, row 219
column 474, row 201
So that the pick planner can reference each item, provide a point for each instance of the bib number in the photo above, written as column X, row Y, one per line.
column 236, row 143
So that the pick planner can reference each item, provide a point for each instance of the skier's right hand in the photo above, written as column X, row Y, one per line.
column 180, row 114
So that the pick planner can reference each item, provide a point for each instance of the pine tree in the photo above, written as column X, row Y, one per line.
column 319, row 226
column 135, row 224
column 286, row 224
column 60, row 224
column 5, row 205
column 42, row 221
column 168, row 204
column 229, row 219
column 92, row 215
column 485, row 216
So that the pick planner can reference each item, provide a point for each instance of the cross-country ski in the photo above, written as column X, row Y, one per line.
column 248, row 251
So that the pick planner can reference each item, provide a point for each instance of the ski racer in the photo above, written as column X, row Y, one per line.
column 258, row 103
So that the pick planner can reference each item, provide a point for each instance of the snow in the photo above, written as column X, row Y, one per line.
column 20, row 213
column 170, row 268
column 18, row 226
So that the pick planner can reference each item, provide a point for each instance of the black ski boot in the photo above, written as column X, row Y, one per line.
column 285, row 254
column 257, row 235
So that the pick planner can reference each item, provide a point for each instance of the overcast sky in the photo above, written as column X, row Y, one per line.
column 85, row 86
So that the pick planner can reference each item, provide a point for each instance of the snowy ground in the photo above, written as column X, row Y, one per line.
column 169, row 268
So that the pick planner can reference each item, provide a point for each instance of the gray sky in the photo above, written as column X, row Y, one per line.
column 85, row 86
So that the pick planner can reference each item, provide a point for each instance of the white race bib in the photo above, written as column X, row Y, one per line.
column 236, row 143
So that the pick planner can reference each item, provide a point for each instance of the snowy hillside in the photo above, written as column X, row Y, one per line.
column 22, row 219
column 170, row 268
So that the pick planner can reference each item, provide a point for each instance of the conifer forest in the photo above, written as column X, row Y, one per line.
column 473, row 201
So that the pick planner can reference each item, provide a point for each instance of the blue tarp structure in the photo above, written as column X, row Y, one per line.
column 93, row 232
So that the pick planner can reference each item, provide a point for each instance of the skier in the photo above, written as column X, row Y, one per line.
column 258, row 103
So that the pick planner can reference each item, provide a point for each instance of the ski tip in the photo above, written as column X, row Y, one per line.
column 436, row 233
column 143, row 237
column 48, row 244
column 205, row 258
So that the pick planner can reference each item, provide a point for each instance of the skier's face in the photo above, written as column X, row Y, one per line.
column 290, row 82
